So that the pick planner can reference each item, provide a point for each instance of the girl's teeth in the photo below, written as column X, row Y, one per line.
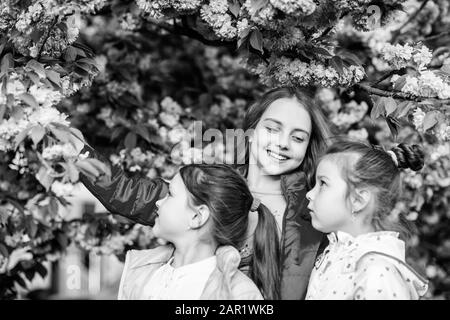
column 276, row 156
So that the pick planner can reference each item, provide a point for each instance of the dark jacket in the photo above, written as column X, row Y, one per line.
column 135, row 199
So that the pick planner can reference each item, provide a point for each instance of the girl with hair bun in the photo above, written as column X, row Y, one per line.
column 356, row 188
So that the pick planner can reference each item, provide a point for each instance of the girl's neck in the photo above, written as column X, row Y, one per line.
column 358, row 229
column 259, row 181
column 190, row 252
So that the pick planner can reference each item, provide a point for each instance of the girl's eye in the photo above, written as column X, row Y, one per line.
column 298, row 139
column 271, row 129
column 322, row 183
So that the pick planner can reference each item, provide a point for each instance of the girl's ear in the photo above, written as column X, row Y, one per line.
column 361, row 199
column 200, row 217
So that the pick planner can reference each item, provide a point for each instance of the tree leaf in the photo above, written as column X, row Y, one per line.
column 36, row 35
column 337, row 64
column 73, row 172
column 34, row 77
column 54, row 77
column 350, row 57
column 77, row 139
column 4, row 250
column 430, row 120
column 130, row 140
column 37, row 67
column 398, row 85
column 117, row 132
column 62, row 240
column 234, row 6
column 256, row 40
column 60, row 133
column 28, row 99
column 44, row 178
column 53, row 206
column 446, row 69
column 258, row 4
column 143, row 132
column 322, row 51
column 37, row 134
column 403, row 108
column 7, row 62
column 63, row 27
column 393, row 126
column 71, row 54
column 32, row 227
column 389, row 105
column 378, row 109
column 242, row 41
column 2, row 45
column 21, row 137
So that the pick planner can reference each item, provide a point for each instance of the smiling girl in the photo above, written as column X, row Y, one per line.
column 204, row 217
column 288, row 134
column 356, row 188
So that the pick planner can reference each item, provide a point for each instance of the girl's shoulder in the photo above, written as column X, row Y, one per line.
column 381, row 273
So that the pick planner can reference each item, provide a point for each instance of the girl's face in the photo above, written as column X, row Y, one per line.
column 174, row 213
column 330, row 211
column 281, row 137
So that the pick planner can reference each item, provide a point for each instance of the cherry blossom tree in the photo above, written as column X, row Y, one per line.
column 130, row 77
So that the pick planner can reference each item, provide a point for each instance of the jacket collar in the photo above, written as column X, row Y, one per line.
column 158, row 255
column 292, row 182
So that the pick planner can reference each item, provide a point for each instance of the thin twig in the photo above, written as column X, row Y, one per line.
column 385, row 76
column 191, row 33
column 436, row 36
column 397, row 32
column 395, row 94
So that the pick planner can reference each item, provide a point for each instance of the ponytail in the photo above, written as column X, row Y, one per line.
column 265, row 271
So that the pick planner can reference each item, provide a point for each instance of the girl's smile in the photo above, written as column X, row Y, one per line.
column 278, row 156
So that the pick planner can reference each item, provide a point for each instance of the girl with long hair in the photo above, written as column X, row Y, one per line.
column 204, row 217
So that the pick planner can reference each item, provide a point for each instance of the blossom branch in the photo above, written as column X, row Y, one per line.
column 55, row 20
column 387, row 75
column 436, row 36
column 396, row 94
column 191, row 33
column 397, row 32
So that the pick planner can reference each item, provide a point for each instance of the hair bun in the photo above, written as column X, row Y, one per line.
column 409, row 156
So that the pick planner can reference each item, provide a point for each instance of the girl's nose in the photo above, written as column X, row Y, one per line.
column 308, row 196
column 283, row 140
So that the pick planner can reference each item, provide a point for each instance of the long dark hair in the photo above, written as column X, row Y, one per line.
column 229, row 199
column 320, row 131
column 376, row 168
